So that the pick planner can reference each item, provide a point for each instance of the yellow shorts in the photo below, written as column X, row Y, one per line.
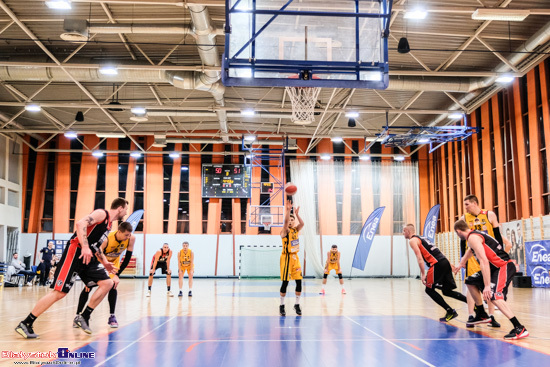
column 472, row 266
column 332, row 267
column 188, row 268
column 291, row 269
column 116, row 264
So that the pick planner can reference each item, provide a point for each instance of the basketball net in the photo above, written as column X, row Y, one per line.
column 303, row 101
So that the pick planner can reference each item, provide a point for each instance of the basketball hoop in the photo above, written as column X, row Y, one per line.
column 267, row 221
column 303, row 101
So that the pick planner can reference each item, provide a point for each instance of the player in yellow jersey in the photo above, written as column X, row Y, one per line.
column 113, row 247
column 186, row 262
column 485, row 221
column 333, row 263
column 290, row 263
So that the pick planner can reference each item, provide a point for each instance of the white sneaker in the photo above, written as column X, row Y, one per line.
column 170, row 294
column 148, row 294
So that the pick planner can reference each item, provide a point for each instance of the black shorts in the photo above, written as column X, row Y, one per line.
column 440, row 276
column 162, row 266
column 500, row 279
column 70, row 265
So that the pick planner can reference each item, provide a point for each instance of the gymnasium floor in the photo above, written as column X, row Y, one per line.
column 380, row 322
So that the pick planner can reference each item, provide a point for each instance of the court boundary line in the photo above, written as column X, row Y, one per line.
column 390, row 342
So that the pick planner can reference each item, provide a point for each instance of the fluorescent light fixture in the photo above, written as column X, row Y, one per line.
column 248, row 112
column 423, row 141
column 336, row 139
column 70, row 134
column 108, row 70
column 325, row 157
column 33, row 107
column 135, row 155
column 352, row 114
column 399, row 158
column 174, row 155
column 97, row 153
column 138, row 110
column 364, row 157
column 504, row 79
column 185, row 168
column 111, row 135
column 456, row 115
column 250, row 137
column 510, row 15
column 416, row 14
column 59, row 4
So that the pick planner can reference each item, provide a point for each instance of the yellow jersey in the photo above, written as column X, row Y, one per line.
column 480, row 223
column 115, row 248
column 291, row 243
column 334, row 256
column 184, row 258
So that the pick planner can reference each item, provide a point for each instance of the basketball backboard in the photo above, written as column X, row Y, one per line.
column 314, row 43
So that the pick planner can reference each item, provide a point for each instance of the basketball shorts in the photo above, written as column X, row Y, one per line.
column 291, row 269
column 162, row 266
column 440, row 276
column 500, row 279
column 187, row 269
column 472, row 266
column 332, row 267
column 70, row 265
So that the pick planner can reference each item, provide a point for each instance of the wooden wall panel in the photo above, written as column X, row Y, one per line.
column 24, row 182
column 326, row 193
column 215, row 204
column 386, row 199
column 346, row 197
column 487, row 200
column 499, row 160
column 131, row 181
column 195, row 193
column 534, row 146
column 442, row 155
column 423, row 185
column 522, row 193
column 87, row 182
column 174, row 211
column 458, row 179
column 545, row 115
column 154, row 191
column 451, row 191
column 37, row 198
column 475, row 176
column 62, row 187
column 111, row 177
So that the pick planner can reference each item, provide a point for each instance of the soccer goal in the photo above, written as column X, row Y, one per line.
column 256, row 261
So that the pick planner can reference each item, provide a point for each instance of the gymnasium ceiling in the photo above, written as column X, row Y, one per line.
column 452, row 67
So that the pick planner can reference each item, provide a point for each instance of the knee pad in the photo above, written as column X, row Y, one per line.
column 283, row 286
column 299, row 285
column 339, row 275
column 325, row 276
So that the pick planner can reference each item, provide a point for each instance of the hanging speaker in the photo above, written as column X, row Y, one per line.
column 79, row 116
column 403, row 46
column 351, row 122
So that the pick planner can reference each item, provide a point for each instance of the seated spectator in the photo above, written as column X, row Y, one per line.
column 20, row 268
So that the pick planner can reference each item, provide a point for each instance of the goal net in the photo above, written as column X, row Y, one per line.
column 260, row 261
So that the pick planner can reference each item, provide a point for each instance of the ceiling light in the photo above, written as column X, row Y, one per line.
column 352, row 114
column 59, row 4
column 364, row 157
column 456, row 115
column 504, row 79
column 250, row 137
column 416, row 14
column 351, row 122
column 97, row 153
column 33, row 107
column 399, row 158
column 111, row 135
column 135, row 155
column 185, row 168
column 423, row 141
column 108, row 70
column 248, row 112
column 336, row 139
column 403, row 46
column 325, row 157
column 174, row 155
column 138, row 111
column 70, row 134
column 512, row 15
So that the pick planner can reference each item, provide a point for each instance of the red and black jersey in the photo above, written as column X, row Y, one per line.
column 163, row 256
column 95, row 234
column 494, row 251
column 430, row 253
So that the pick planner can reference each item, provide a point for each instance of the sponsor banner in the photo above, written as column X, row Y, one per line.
column 365, row 239
column 538, row 262
column 430, row 224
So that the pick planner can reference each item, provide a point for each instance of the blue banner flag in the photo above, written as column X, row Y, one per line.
column 430, row 225
column 134, row 219
column 365, row 239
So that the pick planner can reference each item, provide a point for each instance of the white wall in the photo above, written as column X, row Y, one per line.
column 204, row 247
column 10, row 215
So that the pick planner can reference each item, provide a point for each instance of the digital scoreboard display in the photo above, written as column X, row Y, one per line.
column 225, row 181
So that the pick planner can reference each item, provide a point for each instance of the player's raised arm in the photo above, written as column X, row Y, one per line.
column 300, row 221
column 286, row 223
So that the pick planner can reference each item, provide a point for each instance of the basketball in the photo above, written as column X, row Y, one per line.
column 290, row 188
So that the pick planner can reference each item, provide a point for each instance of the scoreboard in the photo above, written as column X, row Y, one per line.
column 225, row 181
